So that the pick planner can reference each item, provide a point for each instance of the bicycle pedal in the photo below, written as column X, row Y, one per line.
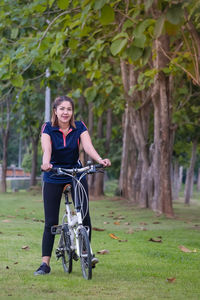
column 56, row 229
column 74, row 256
column 58, row 253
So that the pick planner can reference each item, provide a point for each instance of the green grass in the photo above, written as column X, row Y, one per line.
column 133, row 269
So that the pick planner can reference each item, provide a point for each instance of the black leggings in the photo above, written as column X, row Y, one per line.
column 52, row 194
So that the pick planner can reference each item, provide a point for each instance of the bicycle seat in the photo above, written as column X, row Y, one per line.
column 67, row 188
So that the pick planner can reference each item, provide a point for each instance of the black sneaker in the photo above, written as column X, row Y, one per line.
column 44, row 269
column 94, row 261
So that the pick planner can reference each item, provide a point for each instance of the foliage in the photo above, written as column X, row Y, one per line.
column 82, row 42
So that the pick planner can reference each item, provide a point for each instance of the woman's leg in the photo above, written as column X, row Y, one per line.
column 52, row 194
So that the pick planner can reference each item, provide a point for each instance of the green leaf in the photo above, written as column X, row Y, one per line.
column 99, row 4
column 174, row 14
column 120, row 35
column 141, row 27
column 57, row 66
column 117, row 46
column 63, row 4
column 127, row 24
column 90, row 93
column 73, row 44
column 148, row 4
column 134, row 53
column 171, row 29
column 17, row 81
column 146, row 54
column 14, row 33
column 139, row 41
column 107, row 15
column 51, row 3
column 159, row 26
column 40, row 7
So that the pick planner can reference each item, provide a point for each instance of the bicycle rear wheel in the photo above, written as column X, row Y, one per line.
column 67, row 252
column 85, row 254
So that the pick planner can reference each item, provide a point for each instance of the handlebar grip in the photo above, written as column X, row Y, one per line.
column 98, row 166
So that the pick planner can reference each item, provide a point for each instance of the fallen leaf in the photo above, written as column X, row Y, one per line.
column 120, row 217
column 143, row 223
column 97, row 229
column 106, row 223
column 36, row 220
column 113, row 236
column 25, row 248
column 144, row 229
column 155, row 241
column 117, row 223
column 171, row 280
column 15, row 263
column 130, row 231
column 6, row 221
column 19, row 234
column 186, row 250
column 104, row 251
column 123, row 241
column 111, row 212
column 127, row 223
column 22, row 207
column 102, row 215
column 156, row 222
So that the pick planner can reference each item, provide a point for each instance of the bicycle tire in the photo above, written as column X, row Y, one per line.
column 85, row 254
column 67, row 252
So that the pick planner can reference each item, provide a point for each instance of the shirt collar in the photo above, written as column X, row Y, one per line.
column 56, row 128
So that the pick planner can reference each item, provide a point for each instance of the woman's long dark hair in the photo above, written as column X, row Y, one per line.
column 56, row 103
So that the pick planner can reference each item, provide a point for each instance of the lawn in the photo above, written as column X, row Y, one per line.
column 134, row 268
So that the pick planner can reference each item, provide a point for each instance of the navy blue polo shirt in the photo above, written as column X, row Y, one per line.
column 65, row 149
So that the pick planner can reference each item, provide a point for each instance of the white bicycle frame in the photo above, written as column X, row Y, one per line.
column 74, row 223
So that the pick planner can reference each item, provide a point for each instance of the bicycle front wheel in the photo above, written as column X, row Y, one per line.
column 85, row 254
column 67, row 251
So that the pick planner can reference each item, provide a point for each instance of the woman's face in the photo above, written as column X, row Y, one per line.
column 64, row 112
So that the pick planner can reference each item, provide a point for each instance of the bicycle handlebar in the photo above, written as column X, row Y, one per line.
column 88, row 169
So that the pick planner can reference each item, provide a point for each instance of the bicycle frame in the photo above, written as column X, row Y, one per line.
column 74, row 222
column 74, row 240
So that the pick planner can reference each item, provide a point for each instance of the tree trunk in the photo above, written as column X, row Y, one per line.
column 175, row 182
column 135, row 137
column 128, row 161
column 34, row 142
column 5, row 130
column 156, row 203
column 90, row 129
column 189, row 181
column 108, row 129
column 163, row 138
column 180, row 178
column 99, row 177
column 198, row 181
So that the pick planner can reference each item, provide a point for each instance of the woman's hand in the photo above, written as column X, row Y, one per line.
column 46, row 167
column 105, row 162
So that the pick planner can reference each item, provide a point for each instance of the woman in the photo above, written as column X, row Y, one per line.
column 60, row 140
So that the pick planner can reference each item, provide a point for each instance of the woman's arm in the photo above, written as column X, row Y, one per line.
column 90, row 150
column 46, row 148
